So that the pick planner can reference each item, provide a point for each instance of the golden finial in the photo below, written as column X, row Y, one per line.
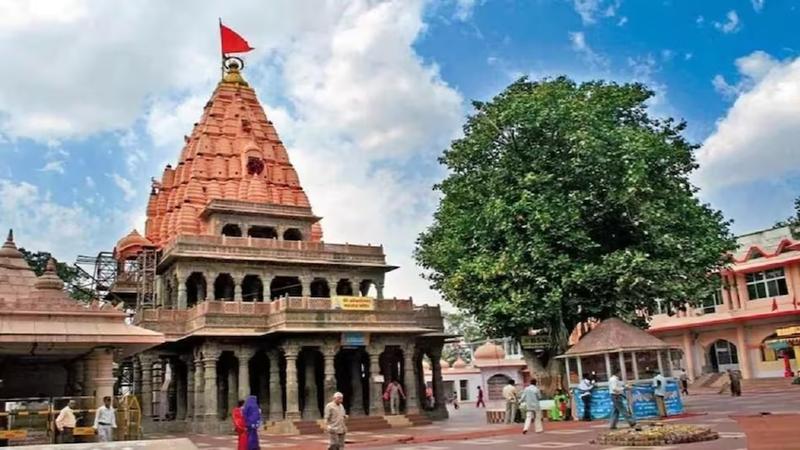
column 233, row 71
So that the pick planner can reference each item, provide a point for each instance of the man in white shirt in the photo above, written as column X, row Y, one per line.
column 660, row 391
column 585, row 387
column 617, row 390
column 65, row 423
column 105, row 421
column 530, row 400
column 510, row 395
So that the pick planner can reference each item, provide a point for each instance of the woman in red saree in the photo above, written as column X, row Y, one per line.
column 239, row 426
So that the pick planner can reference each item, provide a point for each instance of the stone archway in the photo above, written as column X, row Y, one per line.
column 723, row 355
column 495, row 385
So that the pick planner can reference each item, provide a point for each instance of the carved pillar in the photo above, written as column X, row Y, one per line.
column 438, row 384
column 199, row 386
column 188, row 362
column 305, row 284
column 310, row 403
column 409, row 380
column 275, row 403
column 233, row 389
column 329, row 355
column 180, row 387
column 243, row 355
column 237, row 286
column 89, row 373
column 137, row 377
column 379, row 290
column 290, row 352
column 332, row 282
column 210, row 355
column 182, row 302
column 355, row 285
column 146, row 361
column 375, row 382
column 356, row 375
column 80, row 376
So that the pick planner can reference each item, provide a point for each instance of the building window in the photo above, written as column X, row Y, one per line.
column 232, row 230
column 770, row 283
column 710, row 304
column 463, row 387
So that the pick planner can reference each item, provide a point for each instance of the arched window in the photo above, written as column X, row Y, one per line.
column 283, row 286
column 292, row 234
column 224, row 287
column 344, row 288
column 260, row 232
column 252, row 289
column 775, row 351
column 495, row 385
column 232, row 230
column 195, row 289
column 319, row 288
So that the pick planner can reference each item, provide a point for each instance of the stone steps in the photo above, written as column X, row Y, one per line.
column 359, row 423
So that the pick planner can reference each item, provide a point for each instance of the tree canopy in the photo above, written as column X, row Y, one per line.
column 567, row 202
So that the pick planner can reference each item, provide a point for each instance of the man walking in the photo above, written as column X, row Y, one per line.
column 105, row 421
column 510, row 395
column 585, row 388
column 736, row 382
column 659, row 392
column 530, row 400
column 335, row 422
column 65, row 423
column 480, row 398
column 617, row 389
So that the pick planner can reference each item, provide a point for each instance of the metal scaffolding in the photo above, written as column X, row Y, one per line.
column 146, row 263
column 99, row 273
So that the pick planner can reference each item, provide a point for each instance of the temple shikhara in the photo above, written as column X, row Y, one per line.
column 233, row 270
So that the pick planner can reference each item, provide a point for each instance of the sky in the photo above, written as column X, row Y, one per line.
column 96, row 97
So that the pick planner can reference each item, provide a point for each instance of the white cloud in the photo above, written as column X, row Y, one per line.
column 53, row 166
column 757, row 138
column 731, row 25
column 465, row 8
column 722, row 87
column 753, row 68
column 622, row 21
column 90, row 182
column 591, row 10
column 758, row 5
column 125, row 185
column 579, row 44
column 40, row 223
column 699, row 20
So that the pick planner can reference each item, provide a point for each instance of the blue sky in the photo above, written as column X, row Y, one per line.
column 366, row 95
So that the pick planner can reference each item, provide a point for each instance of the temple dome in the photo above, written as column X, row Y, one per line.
column 444, row 364
column 490, row 351
column 459, row 363
column 9, row 248
column 131, row 244
column 49, row 279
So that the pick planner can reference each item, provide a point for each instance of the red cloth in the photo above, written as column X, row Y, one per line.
column 232, row 42
column 774, row 305
column 241, row 430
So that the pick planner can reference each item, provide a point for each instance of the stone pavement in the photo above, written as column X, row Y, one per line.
column 731, row 417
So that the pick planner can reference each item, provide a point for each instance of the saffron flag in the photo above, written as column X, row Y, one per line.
column 774, row 305
column 231, row 41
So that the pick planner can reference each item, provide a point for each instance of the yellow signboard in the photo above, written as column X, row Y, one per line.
column 353, row 303
column 83, row 431
column 788, row 331
column 13, row 434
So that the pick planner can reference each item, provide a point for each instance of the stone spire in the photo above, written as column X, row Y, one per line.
column 49, row 279
column 9, row 248
column 232, row 153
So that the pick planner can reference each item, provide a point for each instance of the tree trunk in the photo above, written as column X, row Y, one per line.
column 549, row 377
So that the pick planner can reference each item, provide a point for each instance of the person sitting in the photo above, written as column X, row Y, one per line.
column 560, row 409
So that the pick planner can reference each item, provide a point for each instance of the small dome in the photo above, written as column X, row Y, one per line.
column 490, row 351
column 49, row 279
column 444, row 364
column 459, row 363
column 131, row 244
column 9, row 248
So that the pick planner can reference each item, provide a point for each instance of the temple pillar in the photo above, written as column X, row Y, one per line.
column 305, row 285
column 182, row 298
column 290, row 352
column 332, row 283
column 199, row 386
column 137, row 377
column 329, row 356
column 275, row 403
column 439, row 405
column 233, row 389
column 180, row 386
column 188, row 362
column 146, row 361
column 356, row 377
column 310, row 398
column 376, row 380
column 237, row 286
column 744, row 352
column 409, row 381
column 210, row 356
column 89, row 373
column 688, row 356
column 379, row 290
column 244, row 354
column 79, row 377
column 104, row 376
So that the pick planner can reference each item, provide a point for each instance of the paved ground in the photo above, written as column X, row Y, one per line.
column 466, row 429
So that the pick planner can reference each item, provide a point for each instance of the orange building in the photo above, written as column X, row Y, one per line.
column 747, row 324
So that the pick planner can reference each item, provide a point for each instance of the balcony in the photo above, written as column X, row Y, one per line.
column 248, row 248
column 290, row 314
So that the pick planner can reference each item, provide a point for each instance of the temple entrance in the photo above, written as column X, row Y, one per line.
column 723, row 355
column 259, row 371
column 227, row 384
column 495, row 386
column 351, row 366
column 311, row 379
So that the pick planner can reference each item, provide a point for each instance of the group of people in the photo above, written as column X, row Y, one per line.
column 105, row 421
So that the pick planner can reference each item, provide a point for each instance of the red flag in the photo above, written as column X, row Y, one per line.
column 774, row 305
column 794, row 301
column 231, row 41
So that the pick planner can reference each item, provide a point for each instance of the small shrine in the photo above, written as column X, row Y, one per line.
column 614, row 346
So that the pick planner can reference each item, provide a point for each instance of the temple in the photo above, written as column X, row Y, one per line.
column 233, row 270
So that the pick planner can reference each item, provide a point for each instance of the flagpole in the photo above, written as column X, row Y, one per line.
column 222, row 53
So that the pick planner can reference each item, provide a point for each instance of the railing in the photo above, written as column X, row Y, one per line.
column 238, row 205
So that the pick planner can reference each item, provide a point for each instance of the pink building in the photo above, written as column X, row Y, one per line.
column 754, row 312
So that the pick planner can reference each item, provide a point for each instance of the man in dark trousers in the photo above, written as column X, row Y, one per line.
column 585, row 392
column 480, row 398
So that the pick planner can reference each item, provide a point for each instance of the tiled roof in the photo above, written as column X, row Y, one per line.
column 613, row 335
column 232, row 153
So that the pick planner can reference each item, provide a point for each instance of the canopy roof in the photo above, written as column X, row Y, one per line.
column 612, row 336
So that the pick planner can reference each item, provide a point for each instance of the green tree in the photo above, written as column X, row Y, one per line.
column 71, row 276
column 464, row 325
column 567, row 202
column 793, row 222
